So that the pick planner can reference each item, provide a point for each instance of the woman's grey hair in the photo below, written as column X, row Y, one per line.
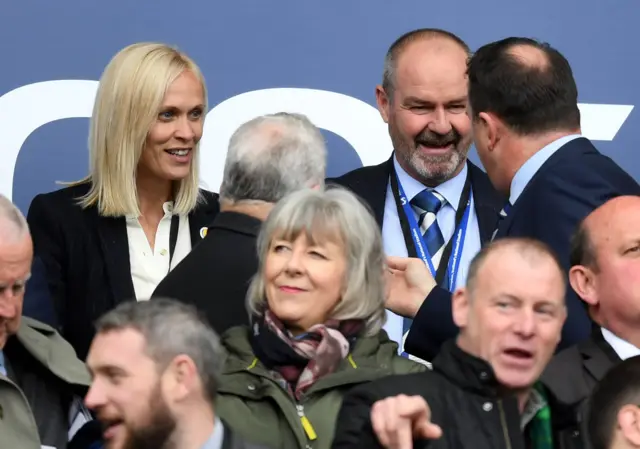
column 271, row 156
column 12, row 221
column 171, row 328
column 335, row 215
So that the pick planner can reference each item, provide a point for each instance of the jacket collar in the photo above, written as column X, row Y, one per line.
column 465, row 370
column 50, row 350
column 476, row 376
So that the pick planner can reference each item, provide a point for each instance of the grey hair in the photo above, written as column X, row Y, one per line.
column 12, row 221
column 271, row 156
column 171, row 328
column 336, row 215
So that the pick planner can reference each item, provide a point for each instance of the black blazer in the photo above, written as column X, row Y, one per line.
column 86, row 257
column 573, row 182
column 433, row 324
column 215, row 276
column 573, row 373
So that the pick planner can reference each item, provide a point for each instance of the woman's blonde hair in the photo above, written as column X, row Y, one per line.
column 336, row 215
column 129, row 98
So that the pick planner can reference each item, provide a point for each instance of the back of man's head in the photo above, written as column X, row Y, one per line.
column 13, row 225
column 272, row 156
column 527, row 84
column 614, row 408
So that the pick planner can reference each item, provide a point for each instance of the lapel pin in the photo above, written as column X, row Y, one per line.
column 203, row 232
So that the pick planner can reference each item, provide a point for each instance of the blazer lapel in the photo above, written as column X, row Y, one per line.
column 598, row 356
column 202, row 216
column 114, row 243
column 486, row 201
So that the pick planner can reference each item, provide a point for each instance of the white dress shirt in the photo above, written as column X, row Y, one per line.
column 150, row 266
column 624, row 349
column 394, row 242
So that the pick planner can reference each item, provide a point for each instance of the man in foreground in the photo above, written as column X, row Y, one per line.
column 483, row 391
column 155, row 367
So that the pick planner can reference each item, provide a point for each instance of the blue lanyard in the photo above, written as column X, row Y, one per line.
column 421, row 248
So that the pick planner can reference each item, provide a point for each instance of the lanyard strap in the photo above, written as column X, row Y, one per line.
column 416, row 246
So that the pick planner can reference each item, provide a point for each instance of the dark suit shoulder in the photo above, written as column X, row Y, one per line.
column 565, row 376
column 362, row 175
column 65, row 197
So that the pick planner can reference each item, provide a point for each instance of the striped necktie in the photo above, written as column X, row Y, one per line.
column 427, row 204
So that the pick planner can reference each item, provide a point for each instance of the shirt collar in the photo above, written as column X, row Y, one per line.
column 451, row 189
column 624, row 349
column 533, row 164
column 216, row 438
column 167, row 207
column 3, row 367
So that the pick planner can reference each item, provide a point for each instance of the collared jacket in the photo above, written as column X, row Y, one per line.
column 466, row 401
column 43, row 377
column 255, row 406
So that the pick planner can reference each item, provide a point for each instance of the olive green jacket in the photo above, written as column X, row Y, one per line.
column 252, row 403
column 49, row 369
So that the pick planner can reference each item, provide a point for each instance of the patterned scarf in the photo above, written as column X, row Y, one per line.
column 540, row 431
column 298, row 362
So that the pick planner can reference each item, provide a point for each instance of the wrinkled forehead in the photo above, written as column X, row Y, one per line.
column 436, row 68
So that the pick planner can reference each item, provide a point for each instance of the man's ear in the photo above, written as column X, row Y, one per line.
column 460, row 307
column 384, row 103
column 629, row 423
column 493, row 128
column 583, row 282
column 181, row 378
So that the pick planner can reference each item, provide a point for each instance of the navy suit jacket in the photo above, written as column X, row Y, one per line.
column 38, row 303
column 573, row 182
column 433, row 325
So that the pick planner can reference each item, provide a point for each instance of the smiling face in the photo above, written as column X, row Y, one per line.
column 172, row 139
column 513, row 318
column 304, row 280
column 426, row 113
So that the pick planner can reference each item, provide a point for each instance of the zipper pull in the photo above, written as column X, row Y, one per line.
column 306, row 424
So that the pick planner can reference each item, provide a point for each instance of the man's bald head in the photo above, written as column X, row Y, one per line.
column 529, row 250
column 433, row 36
column 13, row 225
column 609, row 221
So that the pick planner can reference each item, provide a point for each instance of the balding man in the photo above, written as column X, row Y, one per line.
column 41, row 379
column 526, row 127
column 268, row 157
column 430, row 201
column 605, row 272
column 483, row 391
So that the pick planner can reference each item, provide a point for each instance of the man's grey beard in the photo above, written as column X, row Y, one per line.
column 434, row 170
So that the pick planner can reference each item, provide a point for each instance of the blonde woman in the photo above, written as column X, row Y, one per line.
column 114, row 235
column 317, row 311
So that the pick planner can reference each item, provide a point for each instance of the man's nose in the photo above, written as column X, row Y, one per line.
column 440, row 123
column 525, row 323
column 95, row 396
